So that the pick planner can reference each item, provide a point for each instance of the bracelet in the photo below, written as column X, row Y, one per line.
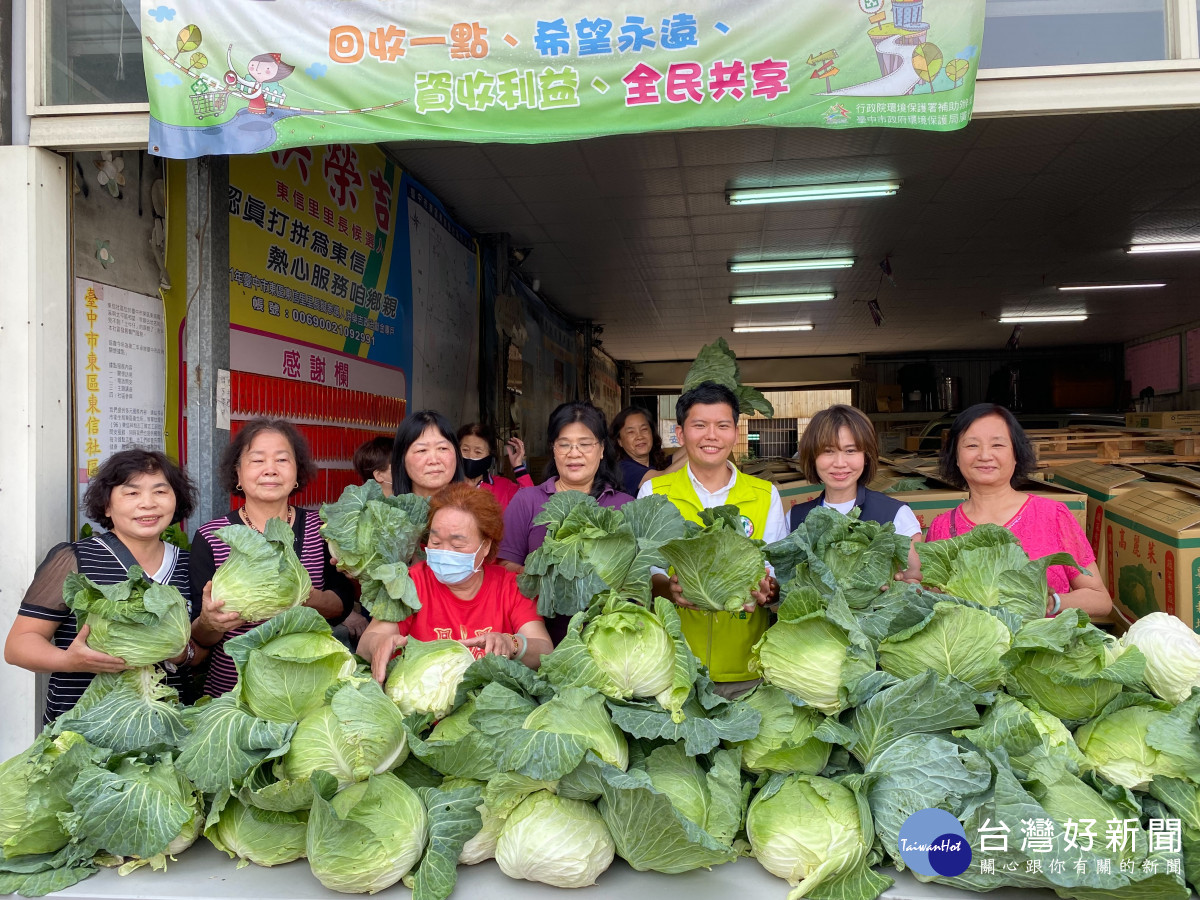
column 520, row 645
column 1057, row 607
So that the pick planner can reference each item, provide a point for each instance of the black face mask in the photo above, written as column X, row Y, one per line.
column 476, row 468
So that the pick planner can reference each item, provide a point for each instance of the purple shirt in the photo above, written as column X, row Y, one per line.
column 521, row 536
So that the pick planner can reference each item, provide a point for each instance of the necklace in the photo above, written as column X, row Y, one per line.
column 291, row 518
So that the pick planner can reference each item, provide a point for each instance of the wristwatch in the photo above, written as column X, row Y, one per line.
column 189, row 654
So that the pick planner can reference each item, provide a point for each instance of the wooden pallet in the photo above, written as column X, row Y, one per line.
column 1060, row 446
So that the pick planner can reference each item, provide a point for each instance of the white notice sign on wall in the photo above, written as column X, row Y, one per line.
column 120, row 373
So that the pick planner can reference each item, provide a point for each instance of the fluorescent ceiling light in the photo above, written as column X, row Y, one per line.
column 754, row 329
column 1126, row 286
column 1177, row 247
column 846, row 191
column 752, row 299
column 791, row 265
column 1020, row 320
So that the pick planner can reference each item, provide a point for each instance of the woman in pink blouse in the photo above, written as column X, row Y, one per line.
column 988, row 453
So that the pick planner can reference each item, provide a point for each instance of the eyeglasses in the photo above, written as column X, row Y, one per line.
column 565, row 447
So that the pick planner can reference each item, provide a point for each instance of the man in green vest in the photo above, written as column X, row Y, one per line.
column 706, row 427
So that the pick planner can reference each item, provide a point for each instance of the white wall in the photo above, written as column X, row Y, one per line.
column 35, row 478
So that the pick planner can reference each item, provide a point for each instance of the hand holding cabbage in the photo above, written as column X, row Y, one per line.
column 135, row 620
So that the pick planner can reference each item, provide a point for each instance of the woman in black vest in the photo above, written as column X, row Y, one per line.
column 135, row 495
column 839, row 450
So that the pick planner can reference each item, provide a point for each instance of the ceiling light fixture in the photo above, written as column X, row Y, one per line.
column 1125, row 286
column 755, row 329
column 754, row 299
column 791, row 265
column 1022, row 319
column 848, row 191
column 1175, row 247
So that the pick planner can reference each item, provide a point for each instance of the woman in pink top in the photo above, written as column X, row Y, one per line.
column 988, row 453
column 477, row 443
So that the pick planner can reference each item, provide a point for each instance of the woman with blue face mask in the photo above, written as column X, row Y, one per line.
column 465, row 596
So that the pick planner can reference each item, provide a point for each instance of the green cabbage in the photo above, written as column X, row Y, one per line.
column 138, row 620
column 785, row 741
column 582, row 713
column 717, row 565
column 426, row 676
column 33, row 792
column 820, row 657
column 627, row 652
column 717, row 363
column 955, row 639
column 556, row 841
column 139, row 807
column 259, row 836
column 373, row 538
column 1069, row 667
column 1138, row 737
column 367, row 836
column 225, row 742
column 668, row 814
column 816, row 834
column 1172, row 652
column 988, row 566
column 590, row 550
column 262, row 576
column 358, row 734
column 835, row 553
column 127, row 712
column 1030, row 736
column 286, row 665
column 634, row 649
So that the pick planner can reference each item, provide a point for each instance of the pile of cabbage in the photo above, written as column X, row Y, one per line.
column 879, row 699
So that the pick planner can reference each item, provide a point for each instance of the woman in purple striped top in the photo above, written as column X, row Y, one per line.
column 266, row 462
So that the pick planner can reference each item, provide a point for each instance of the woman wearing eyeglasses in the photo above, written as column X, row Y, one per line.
column 582, row 461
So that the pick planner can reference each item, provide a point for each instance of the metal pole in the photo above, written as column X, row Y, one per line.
column 207, row 326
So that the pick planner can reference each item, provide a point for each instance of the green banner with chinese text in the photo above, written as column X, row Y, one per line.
column 249, row 76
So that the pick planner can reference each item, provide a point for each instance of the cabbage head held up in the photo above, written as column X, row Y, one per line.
column 263, row 576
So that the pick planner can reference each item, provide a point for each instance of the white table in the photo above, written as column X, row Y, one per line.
column 203, row 872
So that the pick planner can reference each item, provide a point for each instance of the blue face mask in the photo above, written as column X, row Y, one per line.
column 450, row 566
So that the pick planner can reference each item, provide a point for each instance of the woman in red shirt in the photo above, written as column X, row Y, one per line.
column 464, row 595
column 477, row 442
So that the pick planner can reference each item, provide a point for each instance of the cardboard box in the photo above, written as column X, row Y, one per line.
column 1152, row 551
column 1099, row 483
column 1187, row 476
column 797, row 491
column 888, row 398
column 1179, row 420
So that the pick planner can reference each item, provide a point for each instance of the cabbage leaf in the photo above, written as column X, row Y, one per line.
column 717, row 363
column 127, row 712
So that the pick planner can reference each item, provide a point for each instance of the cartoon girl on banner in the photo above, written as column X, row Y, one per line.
column 262, row 72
